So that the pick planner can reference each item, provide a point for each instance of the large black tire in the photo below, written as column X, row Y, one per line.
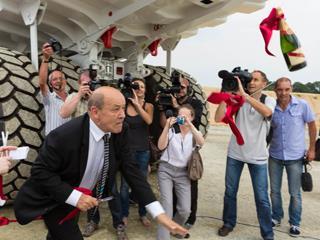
column 21, row 110
column 159, row 77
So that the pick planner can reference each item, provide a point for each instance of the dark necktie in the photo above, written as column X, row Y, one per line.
column 104, row 173
column 105, row 169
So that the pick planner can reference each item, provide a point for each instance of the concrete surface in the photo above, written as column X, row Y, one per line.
column 211, row 189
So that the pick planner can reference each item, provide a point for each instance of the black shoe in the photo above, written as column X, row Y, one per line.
column 294, row 231
column 224, row 231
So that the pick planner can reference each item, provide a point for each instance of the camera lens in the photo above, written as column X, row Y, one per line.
column 180, row 120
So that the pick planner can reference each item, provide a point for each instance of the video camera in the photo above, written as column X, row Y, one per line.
column 165, row 93
column 94, row 82
column 55, row 44
column 126, row 85
column 230, row 83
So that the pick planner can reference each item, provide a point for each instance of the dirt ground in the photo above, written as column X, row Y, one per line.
column 211, row 189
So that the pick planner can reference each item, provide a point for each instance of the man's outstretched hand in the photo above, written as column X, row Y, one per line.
column 172, row 226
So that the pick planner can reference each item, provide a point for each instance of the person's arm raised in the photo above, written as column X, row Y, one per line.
column 43, row 71
column 163, row 139
column 147, row 115
column 220, row 112
column 263, row 109
column 70, row 105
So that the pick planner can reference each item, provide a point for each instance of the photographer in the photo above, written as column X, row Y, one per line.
column 139, row 115
column 183, row 97
column 52, row 101
column 251, row 120
column 172, row 173
column 180, row 98
column 77, row 102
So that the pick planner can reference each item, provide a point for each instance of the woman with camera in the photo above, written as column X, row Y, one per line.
column 172, row 173
column 139, row 115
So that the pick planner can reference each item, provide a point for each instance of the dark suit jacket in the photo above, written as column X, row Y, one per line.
column 61, row 164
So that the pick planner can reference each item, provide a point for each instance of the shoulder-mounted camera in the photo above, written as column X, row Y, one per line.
column 230, row 83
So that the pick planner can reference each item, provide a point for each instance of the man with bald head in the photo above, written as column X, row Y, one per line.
column 73, row 156
column 52, row 101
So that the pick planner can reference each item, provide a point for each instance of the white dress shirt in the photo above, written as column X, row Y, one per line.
column 179, row 150
column 94, row 168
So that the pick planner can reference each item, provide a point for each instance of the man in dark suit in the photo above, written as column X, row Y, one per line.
column 72, row 156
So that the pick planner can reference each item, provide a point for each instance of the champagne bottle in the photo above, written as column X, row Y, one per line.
column 290, row 45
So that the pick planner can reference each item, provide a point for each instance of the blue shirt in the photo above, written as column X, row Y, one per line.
column 288, row 139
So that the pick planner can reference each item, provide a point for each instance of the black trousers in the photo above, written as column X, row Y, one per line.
column 68, row 230
column 194, row 203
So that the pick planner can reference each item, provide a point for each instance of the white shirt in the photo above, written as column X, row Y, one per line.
column 94, row 168
column 179, row 150
column 253, row 128
column 52, row 104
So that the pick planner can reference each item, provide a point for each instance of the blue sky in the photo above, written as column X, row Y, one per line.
column 238, row 42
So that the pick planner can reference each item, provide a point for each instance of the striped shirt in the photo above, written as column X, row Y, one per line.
column 52, row 104
column 81, row 108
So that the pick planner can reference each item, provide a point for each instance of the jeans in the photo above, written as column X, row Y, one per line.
column 142, row 158
column 294, row 170
column 259, row 179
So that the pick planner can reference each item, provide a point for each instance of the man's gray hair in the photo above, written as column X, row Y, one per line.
column 51, row 75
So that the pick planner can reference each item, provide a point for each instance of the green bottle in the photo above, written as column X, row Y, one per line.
column 290, row 46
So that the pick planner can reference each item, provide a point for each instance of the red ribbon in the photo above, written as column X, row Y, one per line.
column 153, row 47
column 75, row 211
column 5, row 221
column 107, row 37
column 268, row 25
column 234, row 102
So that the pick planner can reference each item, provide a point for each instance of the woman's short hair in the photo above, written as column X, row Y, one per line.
column 189, row 107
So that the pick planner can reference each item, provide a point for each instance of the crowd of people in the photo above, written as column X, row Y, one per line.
column 109, row 135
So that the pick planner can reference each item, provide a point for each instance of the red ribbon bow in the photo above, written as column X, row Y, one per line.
column 268, row 25
column 234, row 102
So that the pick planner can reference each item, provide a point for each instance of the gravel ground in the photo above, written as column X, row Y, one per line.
column 211, row 189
